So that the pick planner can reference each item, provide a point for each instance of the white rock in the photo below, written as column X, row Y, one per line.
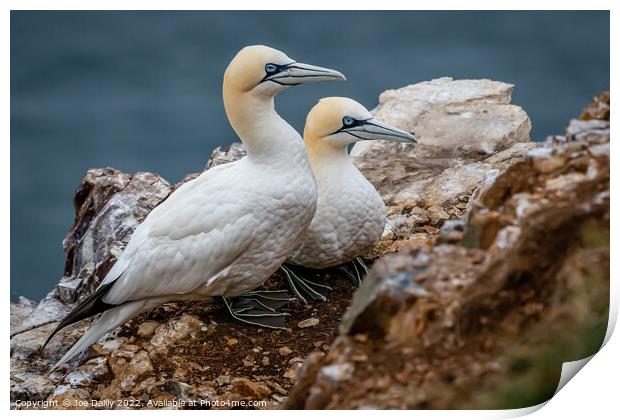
column 456, row 116
column 338, row 372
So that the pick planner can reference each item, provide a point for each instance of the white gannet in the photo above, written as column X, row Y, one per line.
column 350, row 215
column 227, row 231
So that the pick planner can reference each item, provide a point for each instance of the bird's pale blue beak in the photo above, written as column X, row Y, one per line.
column 374, row 130
column 298, row 73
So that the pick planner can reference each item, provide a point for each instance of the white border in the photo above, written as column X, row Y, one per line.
column 592, row 395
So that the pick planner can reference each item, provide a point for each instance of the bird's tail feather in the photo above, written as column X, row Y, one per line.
column 90, row 306
column 109, row 320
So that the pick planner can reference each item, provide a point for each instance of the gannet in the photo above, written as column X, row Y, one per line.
column 350, row 215
column 227, row 231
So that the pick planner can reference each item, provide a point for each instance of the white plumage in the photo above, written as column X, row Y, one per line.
column 350, row 215
column 227, row 231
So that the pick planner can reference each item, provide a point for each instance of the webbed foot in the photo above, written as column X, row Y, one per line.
column 259, row 308
column 355, row 270
column 306, row 290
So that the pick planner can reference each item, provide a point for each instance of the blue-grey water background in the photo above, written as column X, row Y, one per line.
column 141, row 91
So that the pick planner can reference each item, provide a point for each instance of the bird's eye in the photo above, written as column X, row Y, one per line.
column 271, row 68
column 348, row 121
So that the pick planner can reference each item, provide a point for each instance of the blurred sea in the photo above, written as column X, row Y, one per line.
column 141, row 91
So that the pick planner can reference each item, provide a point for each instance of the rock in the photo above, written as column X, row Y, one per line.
column 452, row 326
column 382, row 295
column 222, row 155
column 21, row 310
column 146, row 329
column 174, row 331
column 94, row 369
column 109, row 206
column 279, row 398
column 131, row 348
column 129, row 377
column 276, row 387
column 173, row 394
column 223, row 380
column 598, row 109
column 451, row 118
column 181, row 374
column 205, row 392
column 544, row 161
column 590, row 131
column 110, row 346
column 284, row 351
column 291, row 373
column 437, row 215
column 338, row 372
column 66, row 397
column 247, row 388
column 129, row 370
column 451, row 232
column 90, row 372
column 307, row 323
column 28, row 384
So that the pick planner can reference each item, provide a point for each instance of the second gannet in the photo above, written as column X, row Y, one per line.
column 227, row 231
column 350, row 215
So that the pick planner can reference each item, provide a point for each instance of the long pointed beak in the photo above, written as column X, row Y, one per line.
column 297, row 73
column 374, row 130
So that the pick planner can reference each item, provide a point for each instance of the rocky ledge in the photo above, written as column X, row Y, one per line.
column 503, row 250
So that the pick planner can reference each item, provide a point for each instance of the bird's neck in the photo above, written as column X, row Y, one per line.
column 327, row 158
column 265, row 135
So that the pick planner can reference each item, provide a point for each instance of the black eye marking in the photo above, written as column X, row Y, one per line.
column 348, row 121
column 272, row 69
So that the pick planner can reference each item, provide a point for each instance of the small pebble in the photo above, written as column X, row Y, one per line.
column 147, row 328
column 420, row 277
column 307, row 323
column 278, row 398
column 223, row 380
column 291, row 373
column 284, row 351
column 131, row 347
column 360, row 358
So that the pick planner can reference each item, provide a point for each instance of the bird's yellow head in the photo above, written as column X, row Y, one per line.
column 266, row 71
column 337, row 122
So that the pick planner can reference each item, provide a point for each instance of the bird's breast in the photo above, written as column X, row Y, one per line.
column 349, row 219
column 284, row 201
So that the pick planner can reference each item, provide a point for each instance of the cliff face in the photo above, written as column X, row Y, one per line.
column 485, row 322
column 501, row 243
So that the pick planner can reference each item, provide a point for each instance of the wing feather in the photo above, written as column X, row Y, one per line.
column 193, row 235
